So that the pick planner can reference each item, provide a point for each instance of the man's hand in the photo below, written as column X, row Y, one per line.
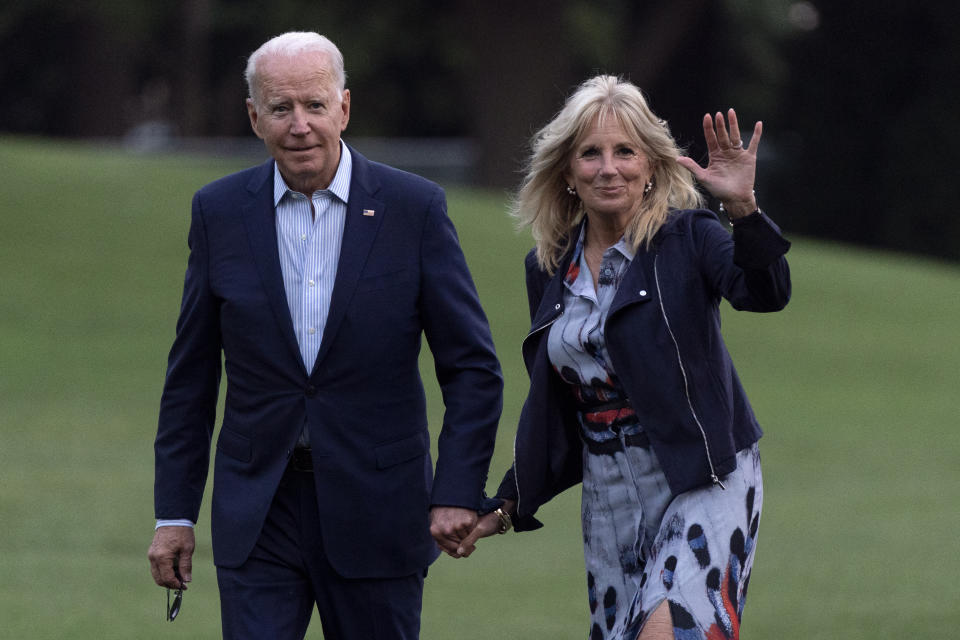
column 171, row 554
column 450, row 525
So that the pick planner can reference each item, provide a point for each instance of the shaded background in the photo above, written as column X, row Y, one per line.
column 857, row 97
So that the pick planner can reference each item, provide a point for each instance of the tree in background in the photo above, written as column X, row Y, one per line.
column 866, row 115
column 526, row 57
column 857, row 97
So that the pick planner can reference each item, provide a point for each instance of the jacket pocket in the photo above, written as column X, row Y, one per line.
column 393, row 453
column 235, row 445
column 383, row 280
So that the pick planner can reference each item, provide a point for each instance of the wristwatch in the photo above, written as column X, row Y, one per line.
column 505, row 522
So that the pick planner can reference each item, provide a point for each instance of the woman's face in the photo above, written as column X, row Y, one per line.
column 608, row 171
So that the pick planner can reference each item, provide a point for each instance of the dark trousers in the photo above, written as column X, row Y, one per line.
column 273, row 593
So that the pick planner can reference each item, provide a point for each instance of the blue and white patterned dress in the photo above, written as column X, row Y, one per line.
column 641, row 545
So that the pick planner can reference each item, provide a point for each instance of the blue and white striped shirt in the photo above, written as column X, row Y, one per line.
column 309, row 248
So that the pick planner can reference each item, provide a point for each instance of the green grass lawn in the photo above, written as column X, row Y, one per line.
column 855, row 384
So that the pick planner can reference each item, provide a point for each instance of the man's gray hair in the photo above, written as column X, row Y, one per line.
column 291, row 44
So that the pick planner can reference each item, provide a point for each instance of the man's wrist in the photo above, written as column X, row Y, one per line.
column 175, row 523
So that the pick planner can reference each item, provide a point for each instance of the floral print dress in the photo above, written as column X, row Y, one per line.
column 642, row 545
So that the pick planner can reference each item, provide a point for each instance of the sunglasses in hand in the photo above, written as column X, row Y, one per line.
column 173, row 608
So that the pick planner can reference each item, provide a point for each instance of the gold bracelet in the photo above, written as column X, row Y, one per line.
column 505, row 522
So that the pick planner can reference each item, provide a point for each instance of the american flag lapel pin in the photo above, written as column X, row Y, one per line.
column 368, row 212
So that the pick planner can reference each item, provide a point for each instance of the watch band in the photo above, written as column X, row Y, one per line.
column 505, row 522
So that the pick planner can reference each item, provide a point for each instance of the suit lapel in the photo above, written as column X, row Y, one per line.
column 364, row 216
column 259, row 217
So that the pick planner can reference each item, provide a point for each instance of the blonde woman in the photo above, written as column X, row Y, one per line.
column 632, row 391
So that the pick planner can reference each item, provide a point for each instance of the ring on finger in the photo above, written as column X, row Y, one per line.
column 738, row 145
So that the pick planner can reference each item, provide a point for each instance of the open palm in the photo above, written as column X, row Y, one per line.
column 731, row 168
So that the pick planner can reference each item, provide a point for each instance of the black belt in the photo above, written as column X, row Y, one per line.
column 302, row 460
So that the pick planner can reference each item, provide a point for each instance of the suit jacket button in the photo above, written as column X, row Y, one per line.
column 310, row 390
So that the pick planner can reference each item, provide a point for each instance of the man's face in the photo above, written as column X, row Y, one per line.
column 299, row 115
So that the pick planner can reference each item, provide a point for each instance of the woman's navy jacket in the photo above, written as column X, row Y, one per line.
column 663, row 336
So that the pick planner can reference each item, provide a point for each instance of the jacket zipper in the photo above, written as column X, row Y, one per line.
column 516, row 475
column 557, row 307
column 686, row 384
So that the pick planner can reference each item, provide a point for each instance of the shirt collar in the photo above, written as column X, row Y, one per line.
column 623, row 247
column 339, row 186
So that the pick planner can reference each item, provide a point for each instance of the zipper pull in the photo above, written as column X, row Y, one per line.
column 716, row 480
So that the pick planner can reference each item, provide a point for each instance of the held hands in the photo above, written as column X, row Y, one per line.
column 449, row 526
column 487, row 525
column 731, row 168
column 460, row 541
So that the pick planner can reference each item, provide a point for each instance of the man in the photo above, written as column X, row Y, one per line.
column 314, row 275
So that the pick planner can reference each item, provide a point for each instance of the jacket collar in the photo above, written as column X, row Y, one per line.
column 635, row 287
column 551, row 302
column 363, row 219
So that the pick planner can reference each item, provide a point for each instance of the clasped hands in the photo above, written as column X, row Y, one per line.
column 457, row 530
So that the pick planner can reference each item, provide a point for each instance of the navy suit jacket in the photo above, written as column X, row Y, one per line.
column 401, row 275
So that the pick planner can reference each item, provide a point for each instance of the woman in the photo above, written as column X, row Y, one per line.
column 632, row 390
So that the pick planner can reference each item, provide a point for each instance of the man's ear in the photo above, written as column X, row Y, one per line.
column 345, row 105
column 254, row 116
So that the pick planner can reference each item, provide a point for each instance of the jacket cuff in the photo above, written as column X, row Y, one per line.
column 455, row 501
column 508, row 486
column 757, row 242
column 525, row 523
column 508, row 491
column 489, row 505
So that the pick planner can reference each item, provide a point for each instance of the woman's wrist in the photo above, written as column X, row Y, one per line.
column 504, row 521
column 739, row 208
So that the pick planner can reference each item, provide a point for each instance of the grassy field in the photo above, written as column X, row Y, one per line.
column 855, row 384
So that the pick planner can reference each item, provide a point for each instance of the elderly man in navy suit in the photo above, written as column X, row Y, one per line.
column 314, row 276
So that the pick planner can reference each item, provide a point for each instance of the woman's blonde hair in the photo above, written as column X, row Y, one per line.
column 543, row 203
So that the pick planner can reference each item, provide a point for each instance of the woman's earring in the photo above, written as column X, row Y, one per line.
column 571, row 190
column 649, row 187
